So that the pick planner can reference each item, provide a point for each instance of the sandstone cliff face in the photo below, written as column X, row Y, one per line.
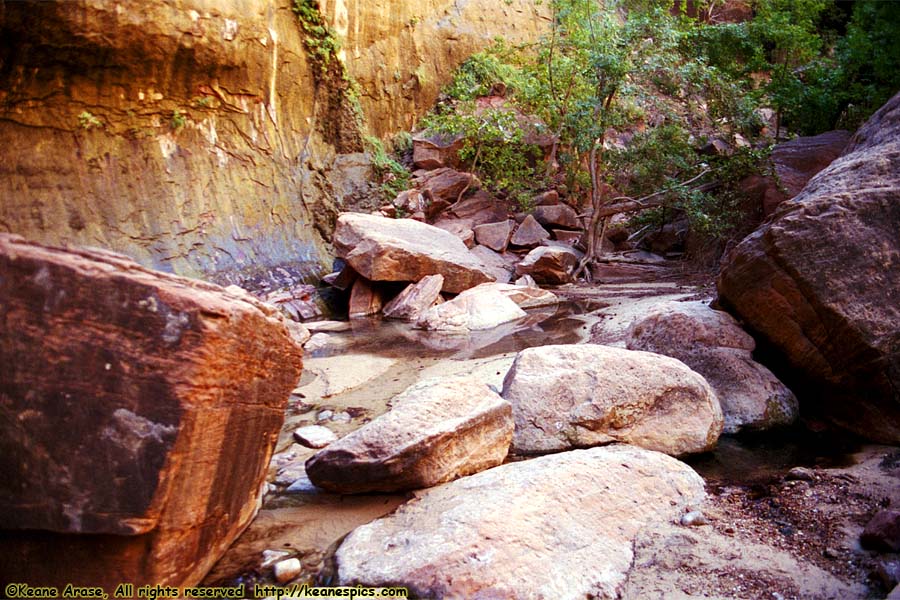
column 401, row 53
column 192, row 135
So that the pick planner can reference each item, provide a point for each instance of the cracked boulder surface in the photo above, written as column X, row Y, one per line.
column 131, row 448
column 818, row 285
column 529, row 529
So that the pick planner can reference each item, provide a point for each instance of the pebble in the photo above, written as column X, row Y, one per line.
column 272, row 556
column 694, row 518
column 324, row 415
column 800, row 474
column 314, row 436
column 287, row 570
column 341, row 417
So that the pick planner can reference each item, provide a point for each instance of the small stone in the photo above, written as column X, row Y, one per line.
column 314, row 436
column 287, row 570
column 270, row 557
column 695, row 518
column 341, row 417
column 324, row 415
column 800, row 474
column 829, row 552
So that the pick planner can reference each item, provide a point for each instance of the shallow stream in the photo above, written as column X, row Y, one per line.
column 353, row 370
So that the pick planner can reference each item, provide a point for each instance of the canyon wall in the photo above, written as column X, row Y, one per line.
column 196, row 135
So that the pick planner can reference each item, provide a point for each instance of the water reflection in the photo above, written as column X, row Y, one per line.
column 566, row 323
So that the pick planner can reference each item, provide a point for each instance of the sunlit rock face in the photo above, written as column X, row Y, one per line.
column 197, row 136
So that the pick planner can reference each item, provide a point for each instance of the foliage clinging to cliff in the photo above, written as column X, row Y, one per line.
column 319, row 39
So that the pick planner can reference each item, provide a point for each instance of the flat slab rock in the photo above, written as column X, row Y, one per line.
column 436, row 430
column 383, row 249
column 600, row 394
column 136, row 407
column 713, row 344
column 560, row 526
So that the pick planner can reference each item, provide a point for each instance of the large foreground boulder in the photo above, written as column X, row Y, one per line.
column 819, row 283
column 382, row 249
column 583, row 395
column 138, row 413
column 437, row 430
column 560, row 526
column 712, row 343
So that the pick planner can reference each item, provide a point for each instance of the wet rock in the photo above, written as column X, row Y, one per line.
column 365, row 299
column 820, row 283
column 437, row 430
column 473, row 310
column 529, row 233
column 158, row 382
column 600, row 394
column 446, row 184
column 712, row 343
column 552, row 265
column 558, row 216
column 415, row 299
column 560, row 526
column 501, row 266
column 882, row 533
column 314, row 436
column 434, row 152
column 479, row 208
column 382, row 249
column 494, row 235
column 287, row 570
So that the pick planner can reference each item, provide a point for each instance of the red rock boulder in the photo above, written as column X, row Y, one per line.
column 819, row 283
column 138, row 414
